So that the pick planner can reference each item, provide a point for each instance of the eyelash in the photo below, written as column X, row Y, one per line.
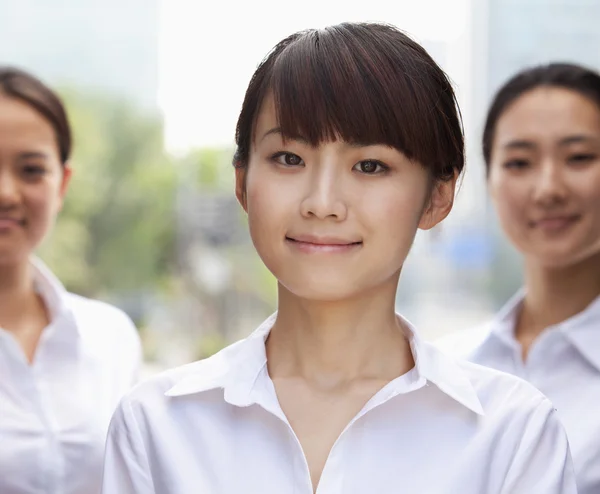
column 582, row 158
column 577, row 159
column 34, row 170
column 518, row 164
column 383, row 168
column 280, row 154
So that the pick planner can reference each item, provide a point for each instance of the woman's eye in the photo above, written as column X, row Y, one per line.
column 370, row 167
column 581, row 158
column 517, row 164
column 287, row 159
column 33, row 171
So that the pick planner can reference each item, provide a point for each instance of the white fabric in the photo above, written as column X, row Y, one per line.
column 445, row 427
column 54, row 413
column 563, row 363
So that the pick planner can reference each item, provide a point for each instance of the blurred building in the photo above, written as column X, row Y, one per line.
column 110, row 45
column 521, row 33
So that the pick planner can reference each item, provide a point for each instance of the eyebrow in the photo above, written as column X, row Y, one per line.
column 33, row 154
column 565, row 141
column 277, row 130
column 574, row 139
column 519, row 144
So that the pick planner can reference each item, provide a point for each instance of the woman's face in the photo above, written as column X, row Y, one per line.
column 33, row 181
column 337, row 220
column 545, row 175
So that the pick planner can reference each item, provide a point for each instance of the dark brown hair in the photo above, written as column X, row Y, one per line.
column 562, row 75
column 16, row 83
column 364, row 83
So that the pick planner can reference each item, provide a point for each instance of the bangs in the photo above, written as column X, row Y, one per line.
column 324, row 93
column 363, row 84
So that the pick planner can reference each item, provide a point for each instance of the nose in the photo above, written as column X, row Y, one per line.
column 323, row 197
column 8, row 188
column 549, row 186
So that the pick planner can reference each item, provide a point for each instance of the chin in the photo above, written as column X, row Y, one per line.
column 321, row 290
column 559, row 259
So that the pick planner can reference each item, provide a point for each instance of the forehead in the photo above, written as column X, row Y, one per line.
column 20, row 122
column 548, row 114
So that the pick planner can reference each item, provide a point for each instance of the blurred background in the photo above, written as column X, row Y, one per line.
column 153, row 88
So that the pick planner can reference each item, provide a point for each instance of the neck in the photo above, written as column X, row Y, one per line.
column 17, row 293
column 556, row 294
column 335, row 342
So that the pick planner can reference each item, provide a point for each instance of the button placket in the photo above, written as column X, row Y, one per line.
column 52, row 465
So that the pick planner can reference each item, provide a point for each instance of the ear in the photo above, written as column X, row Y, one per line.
column 241, row 173
column 440, row 203
column 67, row 173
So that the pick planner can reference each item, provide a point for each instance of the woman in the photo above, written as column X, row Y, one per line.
column 541, row 146
column 348, row 141
column 65, row 361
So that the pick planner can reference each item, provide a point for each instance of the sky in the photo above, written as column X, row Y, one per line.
column 209, row 50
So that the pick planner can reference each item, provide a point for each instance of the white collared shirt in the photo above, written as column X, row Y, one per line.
column 54, row 413
column 563, row 363
column 445, row 427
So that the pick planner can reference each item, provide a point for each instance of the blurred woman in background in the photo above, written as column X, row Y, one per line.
column 65, row 360
column 541, row 146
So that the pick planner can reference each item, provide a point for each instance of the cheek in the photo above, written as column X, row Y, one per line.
column 399, row 210
column 263, row 197
column 267, row 206
column 44, row 201
column 591, row 196
column 588, row 188
column 391, row 219
column 510, row 203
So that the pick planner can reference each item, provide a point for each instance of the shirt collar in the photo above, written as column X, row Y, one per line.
column 237, row 368
column 502, row 326
column 55, row 297
column 442, row 370
column 581, row 330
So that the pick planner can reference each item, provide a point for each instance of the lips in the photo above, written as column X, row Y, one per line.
column 322, row 244
column 7, row 222
column 555, row 223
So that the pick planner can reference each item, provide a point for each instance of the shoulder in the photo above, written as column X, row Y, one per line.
column 192, row 379
column 503, row 394
column 523, row 429
column 519, row 431
column 95, row 313
column 498, row 392
column 104, row 327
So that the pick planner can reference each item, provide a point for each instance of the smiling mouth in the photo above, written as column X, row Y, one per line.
column 9, row 223
column 309, row 245
column 555, row 224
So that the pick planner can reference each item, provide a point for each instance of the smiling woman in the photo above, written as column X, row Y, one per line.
column 542, row 149
column 349, row 141
column 65, row 361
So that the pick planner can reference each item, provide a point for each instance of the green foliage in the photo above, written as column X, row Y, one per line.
column 116, row 230
column 209, row 345
column 209, row 169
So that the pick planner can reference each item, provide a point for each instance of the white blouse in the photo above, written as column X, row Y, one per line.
column 445, row 427
column 563, row 363
column 54, row 413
